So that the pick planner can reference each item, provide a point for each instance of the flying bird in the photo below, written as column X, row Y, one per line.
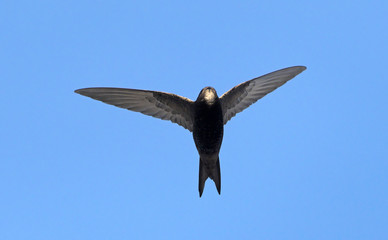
column 204, row 117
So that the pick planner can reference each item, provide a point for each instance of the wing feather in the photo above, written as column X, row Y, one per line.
column 161, row 105
column 243, row 95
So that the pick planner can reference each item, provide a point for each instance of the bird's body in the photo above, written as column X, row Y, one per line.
column 208, row 131
column 205, row 117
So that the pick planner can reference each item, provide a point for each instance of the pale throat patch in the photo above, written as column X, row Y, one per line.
column 209, row 96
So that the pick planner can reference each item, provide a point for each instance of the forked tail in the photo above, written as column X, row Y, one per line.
column 213, row 173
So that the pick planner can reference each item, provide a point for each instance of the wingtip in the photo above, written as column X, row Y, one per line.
column 295, row 69
column 81, row 91
column 301, row 68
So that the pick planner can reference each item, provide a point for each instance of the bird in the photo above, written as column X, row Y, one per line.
column 205, row 117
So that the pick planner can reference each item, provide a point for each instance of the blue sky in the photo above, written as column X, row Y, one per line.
column 308, row 161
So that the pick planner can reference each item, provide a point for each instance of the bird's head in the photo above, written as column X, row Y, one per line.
column 208, row 94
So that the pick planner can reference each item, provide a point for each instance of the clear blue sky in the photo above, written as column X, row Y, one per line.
column 308, row 161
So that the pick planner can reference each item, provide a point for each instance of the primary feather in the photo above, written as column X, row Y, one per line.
column 166, row 106
column 243, row 95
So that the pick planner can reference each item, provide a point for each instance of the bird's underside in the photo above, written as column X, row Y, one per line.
column 204, row 117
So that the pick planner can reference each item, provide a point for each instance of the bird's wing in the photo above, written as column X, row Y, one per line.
column 161, row 105
column 243, row 95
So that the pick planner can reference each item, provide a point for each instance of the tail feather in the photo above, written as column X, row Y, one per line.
column 216, row 176
column 202, row 177
column 213, row 173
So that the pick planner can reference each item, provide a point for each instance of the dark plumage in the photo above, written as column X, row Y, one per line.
column 205, row 117
column 208, row 131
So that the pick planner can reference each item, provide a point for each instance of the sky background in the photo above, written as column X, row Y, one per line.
column 308, row 161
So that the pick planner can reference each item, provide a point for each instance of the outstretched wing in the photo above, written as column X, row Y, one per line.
column 161, row 105
column 243, row 95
